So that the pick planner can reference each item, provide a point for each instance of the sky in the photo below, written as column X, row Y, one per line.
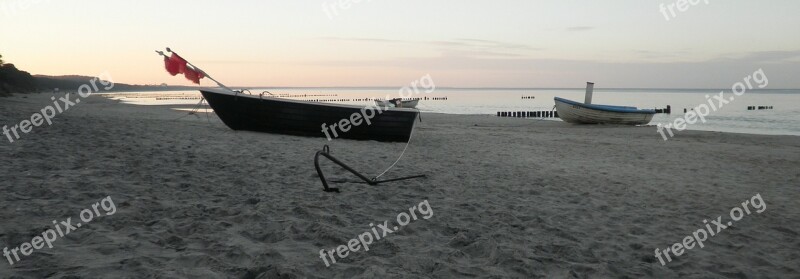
column 500, row 43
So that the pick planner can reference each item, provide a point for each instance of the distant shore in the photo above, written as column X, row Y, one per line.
column 15, row 80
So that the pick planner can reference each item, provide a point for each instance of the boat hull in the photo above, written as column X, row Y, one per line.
column 574, row 112
column 302, row 118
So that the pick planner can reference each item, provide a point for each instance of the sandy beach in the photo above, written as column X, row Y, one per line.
column 510, row 198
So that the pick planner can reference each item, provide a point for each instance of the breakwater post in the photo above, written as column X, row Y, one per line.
column 528, row 114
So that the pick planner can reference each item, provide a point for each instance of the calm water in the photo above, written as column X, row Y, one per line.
column 784, row 119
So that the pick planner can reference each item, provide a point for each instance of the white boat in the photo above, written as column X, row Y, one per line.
column 392, row 103
column 588, row 113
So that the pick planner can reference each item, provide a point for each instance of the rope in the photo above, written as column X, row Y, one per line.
column 193, row 111
column 413, row 127
column 207, row 109
column 515, row 126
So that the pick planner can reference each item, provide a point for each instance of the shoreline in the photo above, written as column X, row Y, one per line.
column 653, row 126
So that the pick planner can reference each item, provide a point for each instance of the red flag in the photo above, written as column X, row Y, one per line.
column 192, row 75
column 174, row 64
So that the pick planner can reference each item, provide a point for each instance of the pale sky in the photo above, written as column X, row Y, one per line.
column 524, row 43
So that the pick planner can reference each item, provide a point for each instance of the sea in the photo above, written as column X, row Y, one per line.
column 731, row 115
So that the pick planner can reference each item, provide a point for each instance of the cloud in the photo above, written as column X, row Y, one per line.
column 233, row 62
column 773, row 56
column 480, row 62
column 467, row 69
column 469, row 43
column 483, row 48
column 366, row 40
column 579, row 28
column 495, row 44
column 661, row 55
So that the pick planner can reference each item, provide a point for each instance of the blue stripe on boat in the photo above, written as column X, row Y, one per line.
column 607, row 107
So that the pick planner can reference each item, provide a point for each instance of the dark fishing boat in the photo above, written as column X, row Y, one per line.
column 260, row 113
column 270, row 114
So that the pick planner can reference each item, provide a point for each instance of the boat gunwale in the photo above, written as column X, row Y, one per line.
column 606, row 108
column 279, row 99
